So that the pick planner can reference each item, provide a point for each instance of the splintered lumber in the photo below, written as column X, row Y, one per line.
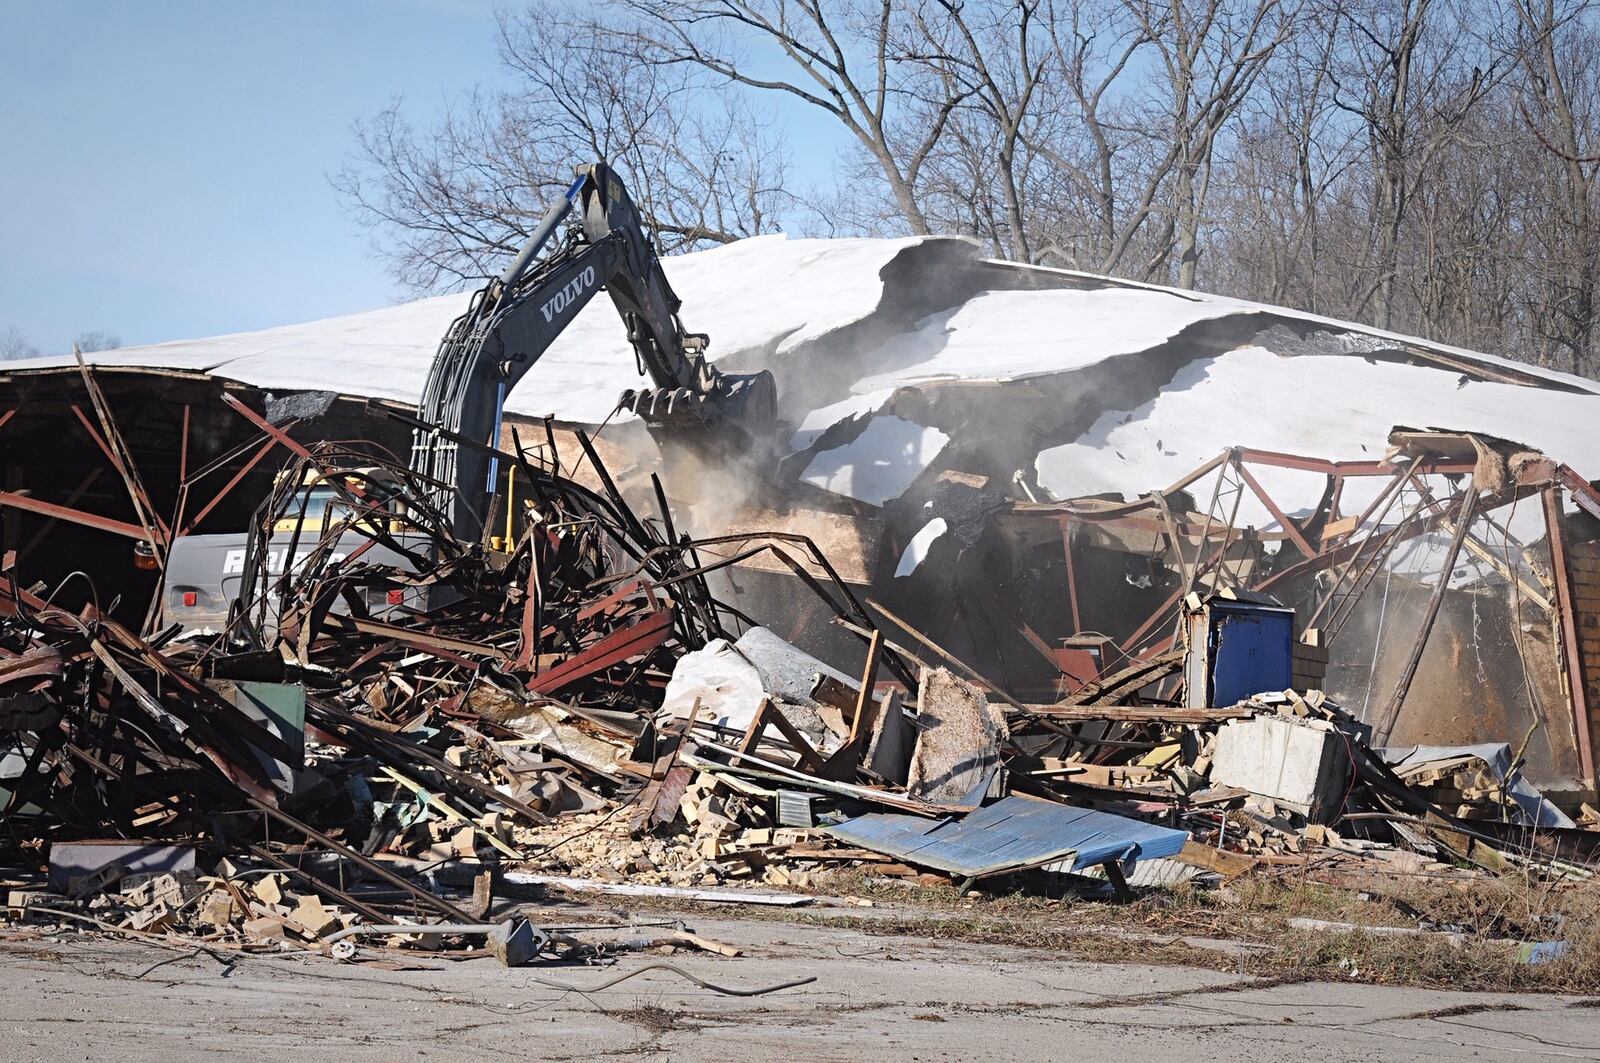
column 1136, row 675
column 1145, row 713
column 1210, row 858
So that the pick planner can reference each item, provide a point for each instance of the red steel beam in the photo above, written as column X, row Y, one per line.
column 1582, row 493
column 75, row 516
column 1072, row 576
column 227, row 488
column 122, row 471
column 72, row 499
column 637, row 638
column 266, row 426
column 1289, row 526
column 1346, row 468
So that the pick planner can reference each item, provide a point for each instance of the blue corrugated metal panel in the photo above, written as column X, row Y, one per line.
column 1017, row 832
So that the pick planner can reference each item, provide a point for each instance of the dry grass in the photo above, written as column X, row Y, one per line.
column 652, row 1017
column 1486, row 919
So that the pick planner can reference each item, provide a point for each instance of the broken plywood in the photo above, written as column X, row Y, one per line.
column 958, row 750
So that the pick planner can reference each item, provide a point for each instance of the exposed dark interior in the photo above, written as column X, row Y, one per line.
column 188, row 446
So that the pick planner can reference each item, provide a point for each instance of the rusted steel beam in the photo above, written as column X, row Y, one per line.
column 142, row 505
column 1289, row 526
column 327, row 889
column 183, row 447
column 421, row 640
column 72, row 500
column 372, row 867
column 532, row 635
column 74, row 516
column 1346, row 468
column 239, row 407
column 636, row 639
column 1072, row 577
column 1190, row 477
column 1583, row 494
column 1572, row 652
column 227, row 488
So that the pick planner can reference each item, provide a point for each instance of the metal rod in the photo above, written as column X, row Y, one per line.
column 1391, row 712
column 372, row 866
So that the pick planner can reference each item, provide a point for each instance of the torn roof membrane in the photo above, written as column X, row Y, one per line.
column 1012, row 335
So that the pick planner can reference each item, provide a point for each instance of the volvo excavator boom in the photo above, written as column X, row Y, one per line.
column 514, row 319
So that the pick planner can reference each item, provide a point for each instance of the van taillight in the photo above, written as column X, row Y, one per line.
column 190, row 599
column 397, row 597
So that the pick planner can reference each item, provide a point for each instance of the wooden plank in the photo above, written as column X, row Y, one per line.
column 758, row 720
column 1224, row 863
column 1142, row 713
column 1095, row 774
column 629, row 889
column 861, row 721
column 810, row 759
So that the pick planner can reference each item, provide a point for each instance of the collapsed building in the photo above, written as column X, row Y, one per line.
column 1050, row 574
column 1039, row 464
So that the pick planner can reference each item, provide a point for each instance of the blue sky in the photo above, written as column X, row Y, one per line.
column 164, row 164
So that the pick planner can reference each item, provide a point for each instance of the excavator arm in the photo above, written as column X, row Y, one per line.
column 513, row 320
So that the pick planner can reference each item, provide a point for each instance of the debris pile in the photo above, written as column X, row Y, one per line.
column 400, row 732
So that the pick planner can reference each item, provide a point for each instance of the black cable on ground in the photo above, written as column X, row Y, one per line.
column 680, row 972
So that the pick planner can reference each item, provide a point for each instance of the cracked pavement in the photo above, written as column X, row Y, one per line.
column 77, row 997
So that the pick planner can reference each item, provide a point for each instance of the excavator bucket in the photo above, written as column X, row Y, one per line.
column 731, row 413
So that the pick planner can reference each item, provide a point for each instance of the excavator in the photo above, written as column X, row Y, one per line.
column 507, row 327
column 515, row 318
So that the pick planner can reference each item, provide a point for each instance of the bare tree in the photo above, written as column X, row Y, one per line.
column 447, row 204
column 1430, row 166
column 1212, row 53
column 1148, row 91
column 1559, row 99
column 97, row 340
column 991, row 57
column 1286, row 167
column 856, row 60
column 1410, row 71
column 14, row 344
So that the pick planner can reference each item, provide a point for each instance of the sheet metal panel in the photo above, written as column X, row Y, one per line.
column 1015, row 833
